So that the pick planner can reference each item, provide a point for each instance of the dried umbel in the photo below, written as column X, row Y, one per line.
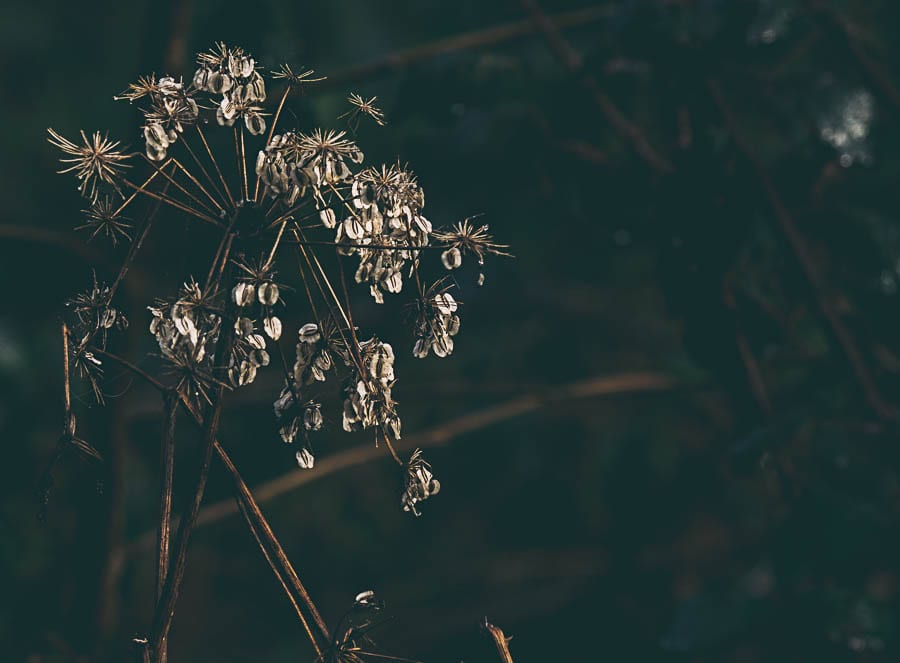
column 297, row 196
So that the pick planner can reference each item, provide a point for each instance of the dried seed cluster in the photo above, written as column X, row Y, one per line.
column 311, row 197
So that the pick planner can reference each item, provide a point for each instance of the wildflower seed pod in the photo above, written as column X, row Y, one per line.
column 312, row 417
column 243, row 327
column 256, row 341
column 305, row 459
column 243, row 294
column 452, row 258
column 421, row 348
column 453, row 325
column 289, row 431
column 255, row 123
column 272, row 327
column 445, row 303
column 268, row 294
column 327, row 217
column 201, row 78
column 108, row 318
column 259, row 358
column 364, row 598
column 309, row 333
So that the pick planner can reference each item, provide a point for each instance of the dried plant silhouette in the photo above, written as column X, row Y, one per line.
column 290, row 207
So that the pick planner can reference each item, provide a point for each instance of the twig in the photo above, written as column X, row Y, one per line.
column 804, row 256
column 501, row 641
column 466, row 41
column 573, row 62
column 167, row 462
column 443, row 434
column 754, row 373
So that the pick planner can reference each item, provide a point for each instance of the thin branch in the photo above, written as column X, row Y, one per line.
column 467, row 41
column 167, row 462
column 443, row 434
column 165, row 607
column 501, row 641
column 804, row 256
column 573, row 62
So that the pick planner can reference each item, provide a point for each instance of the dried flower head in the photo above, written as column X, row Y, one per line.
column 96, row 161
column 103, row 216
column 361, row 107
column 311, row 190
column 464, row 237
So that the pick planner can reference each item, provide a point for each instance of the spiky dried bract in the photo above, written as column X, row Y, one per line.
column 103, row 216
column 92, row 316
column 362, row 106
column 95, row 161
column 351, row 640
column 295, row 79
column 464, row 237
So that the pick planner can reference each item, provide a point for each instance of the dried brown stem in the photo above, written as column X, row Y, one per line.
column 501, row 641
column 443, row 434
column 215, row 165
column 167, row 462
column 165, row 607
column 573, row 62
column 467, row 41
column 803, row 253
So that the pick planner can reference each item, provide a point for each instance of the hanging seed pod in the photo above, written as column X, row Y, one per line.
column 452, row 258
column 272, row 327
column 268, row 294
column 243, row 294
column 305, row 459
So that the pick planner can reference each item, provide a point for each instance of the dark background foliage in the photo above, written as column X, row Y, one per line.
column 746, row 511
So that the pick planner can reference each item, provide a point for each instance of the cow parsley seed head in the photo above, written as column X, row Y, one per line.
column 290, row 196
column 96, row 161
column 361, row 106
column 103, row 217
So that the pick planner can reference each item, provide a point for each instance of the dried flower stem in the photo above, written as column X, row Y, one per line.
column 67, row 391
column 280, row 577
column 501, row 641
column 445, row 433
column 167, row 462
column 215, row 165
column 209, row 179
column 200, row 186
column 165, row 608
column 170, row 201
column 284, row 96
column 178, row 186
column 246, row 504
